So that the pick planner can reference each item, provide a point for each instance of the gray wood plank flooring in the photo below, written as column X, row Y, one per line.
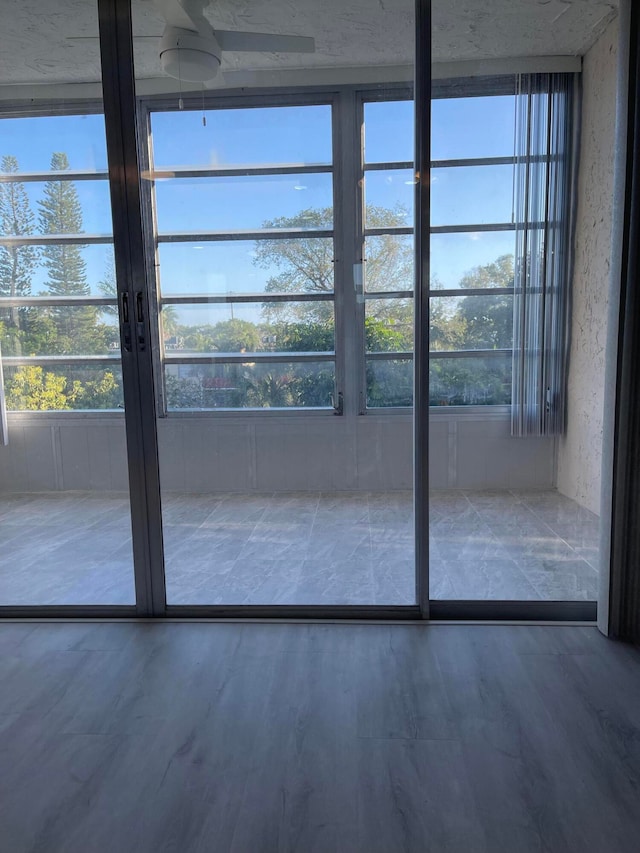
column 300, row 548
column 253, row 738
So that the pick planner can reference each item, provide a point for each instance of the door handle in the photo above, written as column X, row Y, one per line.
column 126, row 323
column 140, row 335
column 4, row 429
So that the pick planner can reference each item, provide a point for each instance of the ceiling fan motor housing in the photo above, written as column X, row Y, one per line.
column 189, row 56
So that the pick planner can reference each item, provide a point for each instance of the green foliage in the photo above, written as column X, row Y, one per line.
column 235, row 336
column 301, row 337
column 183, row 393
column 271, row 391
column 101, row 393
column 17, row 263
column 33, row 389
column 61, row 213
column 306, row 264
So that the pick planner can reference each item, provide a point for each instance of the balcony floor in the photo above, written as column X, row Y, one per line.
column 300, row 548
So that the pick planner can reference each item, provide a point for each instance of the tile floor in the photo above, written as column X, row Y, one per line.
column 300, row 548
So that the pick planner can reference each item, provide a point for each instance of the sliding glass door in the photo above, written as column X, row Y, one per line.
column 279, row 205
column 65, row 528
column 520, row 247
column 320, row 328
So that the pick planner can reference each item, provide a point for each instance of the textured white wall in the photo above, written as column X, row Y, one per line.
column 580, row 451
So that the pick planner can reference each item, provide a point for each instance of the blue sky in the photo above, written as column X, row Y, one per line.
column 470, row 127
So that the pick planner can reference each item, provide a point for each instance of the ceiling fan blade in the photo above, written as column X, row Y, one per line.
column 264, row 42
column 87, row 38
column 175, row 14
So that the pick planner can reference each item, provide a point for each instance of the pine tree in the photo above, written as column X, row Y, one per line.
column 61, row 213
column 17, row 263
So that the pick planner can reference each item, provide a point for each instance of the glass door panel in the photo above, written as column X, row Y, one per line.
column 517, row 368
column 65, row 528
column 283, row 284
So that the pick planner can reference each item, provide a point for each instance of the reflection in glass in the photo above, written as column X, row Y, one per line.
column 288, row 135
column 470, row 381
column 57, row 206
column 242, row 266
column 476, row 259
column 81, row 137
column 381, row 146
column 250, row 385
column 388, row 262
column 389, row 325
column 472, row 195
column 253, row 327
column 471, row 322
column 492, row 119
column 59, row 330
column 389, row 383
column 63, row 386
column 244, row 203
column 389, row 198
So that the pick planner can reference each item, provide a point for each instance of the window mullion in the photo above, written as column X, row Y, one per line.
column 348, row 247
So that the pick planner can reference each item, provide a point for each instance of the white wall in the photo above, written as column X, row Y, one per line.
column 266, row 453
column 580, row 451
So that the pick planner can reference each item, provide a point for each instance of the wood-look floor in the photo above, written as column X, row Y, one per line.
column 253, row 738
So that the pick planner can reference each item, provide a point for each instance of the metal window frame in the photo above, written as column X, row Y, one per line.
column 213, row 101
column 353, row 169
column 68, row 109
column 486, row 87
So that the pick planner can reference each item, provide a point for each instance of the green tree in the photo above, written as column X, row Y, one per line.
column 236, row 336
column 306, row 264
column 33, row 389
column 488, row 320
column 17, row 263
column 107, row 284
column 61, row 213
column 101, row 393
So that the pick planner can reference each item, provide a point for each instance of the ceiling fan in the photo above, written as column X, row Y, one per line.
column 191, row 50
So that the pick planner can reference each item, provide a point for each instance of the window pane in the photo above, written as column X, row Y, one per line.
column 248, row 202
column 389, row 263
column 62, row 387
column 388, row 129
column 243, row 266
column 464, row 195
column 389, row 325
column 470, row 322
column 251, row 385
column 492, row 120
column 33, row 140
column 57, row 270
column 55, row 207
column 470, row 381
column 389, row 383
column 287, row 135
column 479, row 259
column 389, row 198
column 77, row 330
column 255, row 327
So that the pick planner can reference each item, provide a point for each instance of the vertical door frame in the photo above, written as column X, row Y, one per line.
column 118, row 81
column 422, row 223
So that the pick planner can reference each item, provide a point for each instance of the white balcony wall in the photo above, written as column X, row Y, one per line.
column 580, row 450
column 269, row 453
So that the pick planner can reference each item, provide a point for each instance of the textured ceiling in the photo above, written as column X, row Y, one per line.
column 34, row 48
